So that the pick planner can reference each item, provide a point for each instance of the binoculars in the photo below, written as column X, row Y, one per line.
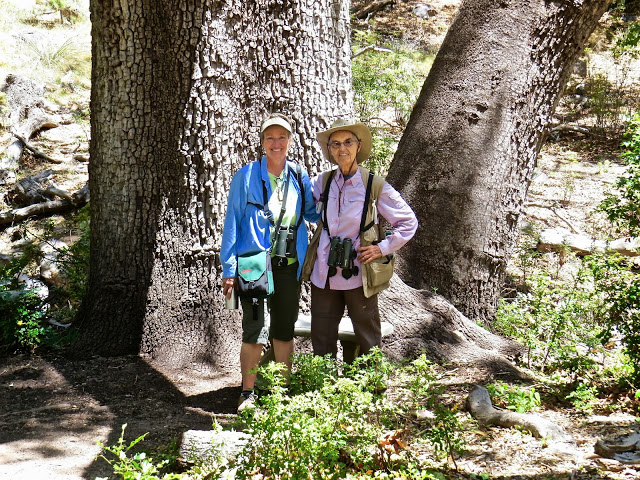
column 342, row 254
column 285, row 243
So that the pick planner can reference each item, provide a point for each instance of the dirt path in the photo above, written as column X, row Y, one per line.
column 53, row 411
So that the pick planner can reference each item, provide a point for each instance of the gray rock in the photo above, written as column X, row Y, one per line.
column 199, row 445
column 424, row 10
column 49, row 266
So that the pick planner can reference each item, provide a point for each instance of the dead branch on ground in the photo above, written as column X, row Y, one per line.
column 373, row 8
column 77, row 200
column 36, row 153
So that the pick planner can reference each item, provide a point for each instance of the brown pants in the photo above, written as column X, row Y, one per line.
column 327, row 309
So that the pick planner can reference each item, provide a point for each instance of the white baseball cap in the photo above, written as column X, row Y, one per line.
column 275, row 120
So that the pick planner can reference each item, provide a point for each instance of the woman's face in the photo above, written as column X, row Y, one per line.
column 276, row 142
column 343, row 147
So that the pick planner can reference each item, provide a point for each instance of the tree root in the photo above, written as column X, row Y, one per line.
column 479, row 404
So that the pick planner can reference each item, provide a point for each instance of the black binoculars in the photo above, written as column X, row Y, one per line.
column 342, row 254
column 285, row 243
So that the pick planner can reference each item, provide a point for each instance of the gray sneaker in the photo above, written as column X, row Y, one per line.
column 246, row 401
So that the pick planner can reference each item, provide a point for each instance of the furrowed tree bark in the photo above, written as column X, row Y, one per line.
column 179, row 90
column 468, row 153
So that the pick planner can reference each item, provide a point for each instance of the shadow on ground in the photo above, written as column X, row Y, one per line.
column 53, row 411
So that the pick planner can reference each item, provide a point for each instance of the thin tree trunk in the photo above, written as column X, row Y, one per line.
column 468, row 153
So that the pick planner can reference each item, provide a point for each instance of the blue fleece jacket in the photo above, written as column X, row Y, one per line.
column 246, row 227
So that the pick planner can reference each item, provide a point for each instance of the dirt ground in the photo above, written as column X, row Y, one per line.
column 53, row 411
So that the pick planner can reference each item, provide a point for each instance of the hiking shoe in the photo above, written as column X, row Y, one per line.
column 246, row 401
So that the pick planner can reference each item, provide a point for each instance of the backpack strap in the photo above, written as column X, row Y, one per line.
column 365, row 207
column 301, row 185
column 326, row 179
column 374, row 187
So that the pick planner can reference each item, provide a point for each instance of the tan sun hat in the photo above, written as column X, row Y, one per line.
column 360, row 130
column 276, row 119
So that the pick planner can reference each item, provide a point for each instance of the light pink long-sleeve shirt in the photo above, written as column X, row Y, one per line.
column 344, row 211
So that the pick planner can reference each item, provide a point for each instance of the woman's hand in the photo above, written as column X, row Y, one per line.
column 369, row 254
column 228, row 284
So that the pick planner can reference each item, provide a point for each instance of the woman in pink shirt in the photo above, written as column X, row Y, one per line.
column 336, row 278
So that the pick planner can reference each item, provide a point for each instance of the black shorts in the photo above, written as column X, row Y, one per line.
column 282, row 305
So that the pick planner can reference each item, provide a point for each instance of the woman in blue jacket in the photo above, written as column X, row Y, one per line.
column 248, row 229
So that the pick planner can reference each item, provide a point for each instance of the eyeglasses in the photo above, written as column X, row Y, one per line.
column 349, row 142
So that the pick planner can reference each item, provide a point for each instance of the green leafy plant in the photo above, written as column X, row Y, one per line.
column 316, row 434
column 555, row 321
column 514, row 397
column 526, row 255
column 134, row 466
column 446, row 433
column 386, row 82
column 619, row 303
column 311, row 372
column 628, row 42
column 583, row 397
column 23, row 323
column 382, row 151
column 74, row 265
column 605, row 100
column 370, row 371
column 622, row 206
column 387, row 79
column 422, row 375
column 332, row 421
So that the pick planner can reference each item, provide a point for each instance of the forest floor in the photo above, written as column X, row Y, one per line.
column 53, row 411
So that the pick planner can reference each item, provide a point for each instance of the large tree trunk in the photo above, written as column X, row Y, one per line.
column 468, row 153
column 179, row 90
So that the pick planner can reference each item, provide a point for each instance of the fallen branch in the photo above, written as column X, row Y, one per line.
column 479, row 404
column 380, row 119
column 373, row 8
column 555, row 212
column 36, row 153
column 559, row 239
column 78, row 199
column 12, row 153
column 571, row 128
column 30, row 190
column 58, row 192
column 375, row 48
column 25, row 101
